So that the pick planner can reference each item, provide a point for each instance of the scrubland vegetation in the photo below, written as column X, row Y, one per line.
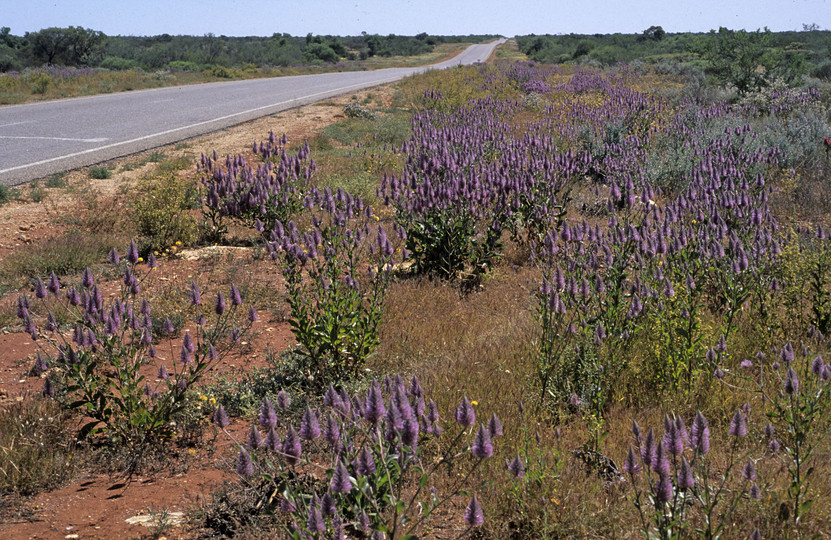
column 65, row 62
column 528, row 300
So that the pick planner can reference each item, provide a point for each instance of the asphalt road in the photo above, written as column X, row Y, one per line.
column 40, row 139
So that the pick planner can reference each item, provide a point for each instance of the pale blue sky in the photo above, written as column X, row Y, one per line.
column 444, row 17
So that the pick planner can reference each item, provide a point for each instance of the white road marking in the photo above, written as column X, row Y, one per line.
column 100, row 139
column 15, row 124
column 169, row 131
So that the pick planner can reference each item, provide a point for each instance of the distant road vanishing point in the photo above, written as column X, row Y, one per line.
column 40, row 139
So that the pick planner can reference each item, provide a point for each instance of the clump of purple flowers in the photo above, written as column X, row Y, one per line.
column 672, row 476
column 335, row 299
column 99, row 358
column 373, row 446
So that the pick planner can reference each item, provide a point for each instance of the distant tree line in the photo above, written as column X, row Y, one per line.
column 744, row 59
column 76, row 46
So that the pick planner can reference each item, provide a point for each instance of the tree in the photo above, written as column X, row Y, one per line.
column 48, row 44
column 373, row 43
column 654, row 33
column 73, row 45
column 319, row 51
column 86, row 47
column 747, row 60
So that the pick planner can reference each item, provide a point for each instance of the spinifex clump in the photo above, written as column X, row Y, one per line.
column 97, row 368
column 367, row 454
column 336, row 272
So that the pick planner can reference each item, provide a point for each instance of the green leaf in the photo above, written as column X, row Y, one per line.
column 88, row 429
column 804, row 507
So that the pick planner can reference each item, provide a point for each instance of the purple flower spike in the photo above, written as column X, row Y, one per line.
column 86, row 279
column 195, row 295
column 432, row 412
column 332, row 430
column 661, row 462
column 482, row 447
column 648, row 450
column 167, row 327
column 749, row 471
column 132, row 253
column 787, row 354
column 756, row 535
column 283, row 400
column 163, row 374
column 114, row 257
column 366, row 462
column 219, row 307
column 340, row 479
column 663, row 489
column 331, row 398
column 252, row 314
column 40, row 288
column 272, row 441
column 755, row 492
column 516, row 467
column 817, row 366
column 630, row 464
column 700, row 434
column 187, row 343
column 791, row 382
column 738, row 428
column 48, row 387
column 415, row 387
column 54, row 283
column 245, row 467
column 465, row 415
column 40, row 365
column 255, row 440
column 672, row 437
column 495, row 426
column 309, row 427
column 315, row 522
column 268, row 417
column 236, row 297
column 327, row 505
column 291, row 446
column 375, row 409
column 409, row 432
column 685, row 475
column 473, row 513
column 636, row 431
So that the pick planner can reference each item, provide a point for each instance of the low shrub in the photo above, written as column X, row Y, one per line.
column 160, row 212
column 100, row 173
column 97, row 369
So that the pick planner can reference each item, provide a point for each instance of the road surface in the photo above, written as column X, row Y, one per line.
column 40, row 139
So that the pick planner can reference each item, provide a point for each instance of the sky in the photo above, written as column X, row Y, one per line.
column 437, row 17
